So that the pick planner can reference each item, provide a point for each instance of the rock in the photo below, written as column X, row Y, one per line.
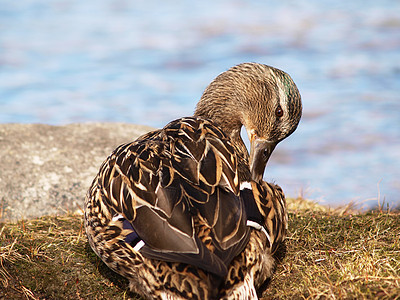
column 47, row 169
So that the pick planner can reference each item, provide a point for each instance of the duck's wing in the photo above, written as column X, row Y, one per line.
column 178, row 188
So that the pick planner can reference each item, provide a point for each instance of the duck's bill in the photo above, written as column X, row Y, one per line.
column 260, row 152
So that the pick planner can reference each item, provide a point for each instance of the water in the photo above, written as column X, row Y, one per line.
column 147, row 62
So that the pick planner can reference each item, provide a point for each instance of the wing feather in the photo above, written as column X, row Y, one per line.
column 210, row 167
column 161, row 235
column 166, row 179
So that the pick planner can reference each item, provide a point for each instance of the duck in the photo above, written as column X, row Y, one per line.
column 183, row 212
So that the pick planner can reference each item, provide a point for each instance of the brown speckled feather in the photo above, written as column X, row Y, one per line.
column 185, row 212
column 165, row 181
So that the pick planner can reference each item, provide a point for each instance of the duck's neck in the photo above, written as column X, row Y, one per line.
column 242, row 156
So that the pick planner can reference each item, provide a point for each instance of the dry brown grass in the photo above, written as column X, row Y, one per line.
column 339, row 254
column 331, row 254
column 49, row 258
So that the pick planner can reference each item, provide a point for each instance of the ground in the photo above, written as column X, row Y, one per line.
column 331, row 254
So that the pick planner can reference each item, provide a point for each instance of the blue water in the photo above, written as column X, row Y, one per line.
column 147, row 62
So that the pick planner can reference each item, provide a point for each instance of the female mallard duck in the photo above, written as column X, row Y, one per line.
column 182, row 212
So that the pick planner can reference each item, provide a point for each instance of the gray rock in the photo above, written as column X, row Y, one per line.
column 47, row 169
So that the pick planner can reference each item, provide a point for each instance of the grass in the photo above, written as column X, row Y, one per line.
column 331, row 254
column 336, row 255
column 49, row 258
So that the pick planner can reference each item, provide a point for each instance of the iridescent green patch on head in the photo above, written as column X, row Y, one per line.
column 289, row 86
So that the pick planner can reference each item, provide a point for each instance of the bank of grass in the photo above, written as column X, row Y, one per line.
column 340, row 254
column 331, row 254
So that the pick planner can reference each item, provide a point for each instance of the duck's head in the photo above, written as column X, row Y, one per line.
column 263, row 99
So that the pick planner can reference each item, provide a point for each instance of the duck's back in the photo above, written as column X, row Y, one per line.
column 175, row 192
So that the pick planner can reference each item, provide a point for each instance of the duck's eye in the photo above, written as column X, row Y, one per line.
column 279, row 111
